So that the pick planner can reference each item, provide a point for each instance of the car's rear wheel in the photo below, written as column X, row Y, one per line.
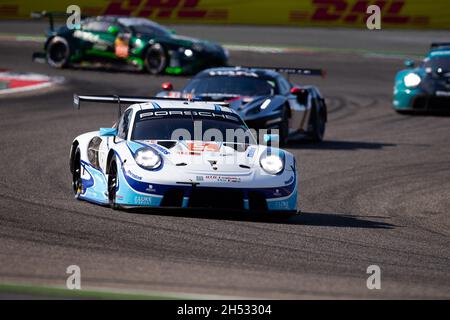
column 112, row 183
column 58, row 52
column 156, row 59
column 318, row 120
column 77, row 182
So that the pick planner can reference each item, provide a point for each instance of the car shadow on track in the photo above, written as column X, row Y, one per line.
column 303, row 218
column 339, row 145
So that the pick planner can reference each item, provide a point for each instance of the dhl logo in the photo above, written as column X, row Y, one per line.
column 352, row 12
column 183, row 9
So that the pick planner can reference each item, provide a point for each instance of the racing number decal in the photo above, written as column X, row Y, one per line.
column 121, row 47
column 202, row 147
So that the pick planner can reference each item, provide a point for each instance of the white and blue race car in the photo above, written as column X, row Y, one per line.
column 177, row 153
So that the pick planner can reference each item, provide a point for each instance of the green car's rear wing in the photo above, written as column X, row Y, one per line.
column 51, row 17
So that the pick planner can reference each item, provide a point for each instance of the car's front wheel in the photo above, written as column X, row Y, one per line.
column 113, row 183
column 58, row 52
column 77, row 182
column 156, row 59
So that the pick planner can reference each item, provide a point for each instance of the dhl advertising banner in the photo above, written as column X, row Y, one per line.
column 331, row 13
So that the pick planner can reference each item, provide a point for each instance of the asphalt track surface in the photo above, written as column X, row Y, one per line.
column 376, row 192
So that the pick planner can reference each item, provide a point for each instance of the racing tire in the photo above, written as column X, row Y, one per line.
column 156, row 59
column 77, row 182
column 283, row 128
column 58, row 52
column 112, row 183
column 318, row 120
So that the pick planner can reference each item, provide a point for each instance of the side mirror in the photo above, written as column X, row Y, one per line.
column 296, row 90
column 302, row 95
column 271, row 137
column 114, row 30
column 108, row 132
column 409, row 63
column 167, row 86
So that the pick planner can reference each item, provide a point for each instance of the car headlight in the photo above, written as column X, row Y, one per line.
column 272, row 163
column 188, row 53
column 412, row 80
column 147, row 158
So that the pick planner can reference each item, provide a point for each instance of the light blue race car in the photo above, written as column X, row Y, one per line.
column 176, row 153
column 426, row 87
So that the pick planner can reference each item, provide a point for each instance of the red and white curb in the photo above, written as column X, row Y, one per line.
column 14, row 82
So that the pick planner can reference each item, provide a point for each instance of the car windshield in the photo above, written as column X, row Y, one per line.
column 141, row 25
column 231, row 86
column 182, row 124
column 437, row 62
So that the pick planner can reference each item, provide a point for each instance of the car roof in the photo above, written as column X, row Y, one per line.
column 181, row 104
column 259, row 72
column 441, row 52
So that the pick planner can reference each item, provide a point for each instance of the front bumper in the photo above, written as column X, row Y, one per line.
column 420, row 100
column 134, row 193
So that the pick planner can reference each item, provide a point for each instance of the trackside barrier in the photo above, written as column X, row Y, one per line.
column 415, row 14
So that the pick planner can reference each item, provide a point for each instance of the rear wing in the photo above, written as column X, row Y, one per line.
column 51, row 17
column 77, row 99
column 294, row 71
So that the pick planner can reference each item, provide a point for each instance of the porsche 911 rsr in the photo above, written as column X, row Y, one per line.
column 263, row 98
column 181, row 154
column 427, row 86
column 133, row 42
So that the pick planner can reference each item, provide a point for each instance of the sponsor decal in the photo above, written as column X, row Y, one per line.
column 134, row 176
column 251, row 152
column 160, row 149
column 150, row 188
column 198, row 146
column 86, row 36
column 443, row 93
column 187, row 113
column 171, row 9
column 219, row 178
column 233, row 73
column 351, row 12
column 280, row 205
column 142, row 200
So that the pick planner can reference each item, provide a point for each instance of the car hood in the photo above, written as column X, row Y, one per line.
column 204, row 157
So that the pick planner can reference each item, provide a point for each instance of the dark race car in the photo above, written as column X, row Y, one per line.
column 263, row 98
column 427, row 86
column 136, row 42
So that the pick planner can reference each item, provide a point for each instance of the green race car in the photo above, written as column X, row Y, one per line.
column 137, row 42
column 427, row 86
